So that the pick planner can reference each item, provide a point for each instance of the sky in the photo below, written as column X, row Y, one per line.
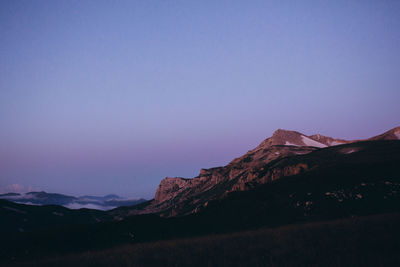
column 100, row 97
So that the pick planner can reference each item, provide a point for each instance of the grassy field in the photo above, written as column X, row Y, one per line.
column 359, row 241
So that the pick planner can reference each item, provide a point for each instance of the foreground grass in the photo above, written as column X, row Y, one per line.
column 362, row 241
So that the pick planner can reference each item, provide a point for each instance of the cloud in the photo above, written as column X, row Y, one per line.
column 88, row 206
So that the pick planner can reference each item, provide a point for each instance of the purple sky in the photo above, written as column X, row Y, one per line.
column 100, row 97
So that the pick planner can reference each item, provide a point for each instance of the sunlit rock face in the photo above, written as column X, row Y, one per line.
column 170, row 187
column 282, row 144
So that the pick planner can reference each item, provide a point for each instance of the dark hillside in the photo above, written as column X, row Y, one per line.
column 359, row 241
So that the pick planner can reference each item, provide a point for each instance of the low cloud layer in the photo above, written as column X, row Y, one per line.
column 76, row 206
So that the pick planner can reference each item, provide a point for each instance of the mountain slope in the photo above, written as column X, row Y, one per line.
column 25, row 218
column 393, row 134
column 178, row 196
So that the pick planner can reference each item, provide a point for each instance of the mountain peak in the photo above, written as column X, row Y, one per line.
column 283, row 132
column 293, row 138
column 176, row 195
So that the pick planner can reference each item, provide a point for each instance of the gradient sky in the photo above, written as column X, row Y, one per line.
column 100, row 97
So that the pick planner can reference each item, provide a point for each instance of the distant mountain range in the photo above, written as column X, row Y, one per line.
column 92, row 202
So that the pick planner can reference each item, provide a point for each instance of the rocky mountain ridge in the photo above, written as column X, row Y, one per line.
column 178, row 196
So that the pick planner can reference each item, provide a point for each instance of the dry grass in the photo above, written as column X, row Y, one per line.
column 364, row 241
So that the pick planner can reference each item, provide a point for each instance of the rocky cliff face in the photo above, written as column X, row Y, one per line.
column 282, row 144
column 170, row 187
column 177, row 196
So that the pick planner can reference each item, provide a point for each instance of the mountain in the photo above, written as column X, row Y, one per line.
column 290, row 138
column 179, row 196
column 9, row 195
column 44, row 198
column 338, row 181
column 39, row 198
column 92, row 202
column 25, row 218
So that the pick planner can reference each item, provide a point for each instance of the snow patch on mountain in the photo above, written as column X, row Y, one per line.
column 397, row 134
column 310, row 142
column 290, row 144
column 336, row 143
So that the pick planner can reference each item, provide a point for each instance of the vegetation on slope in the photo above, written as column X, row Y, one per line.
column 358, row 241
